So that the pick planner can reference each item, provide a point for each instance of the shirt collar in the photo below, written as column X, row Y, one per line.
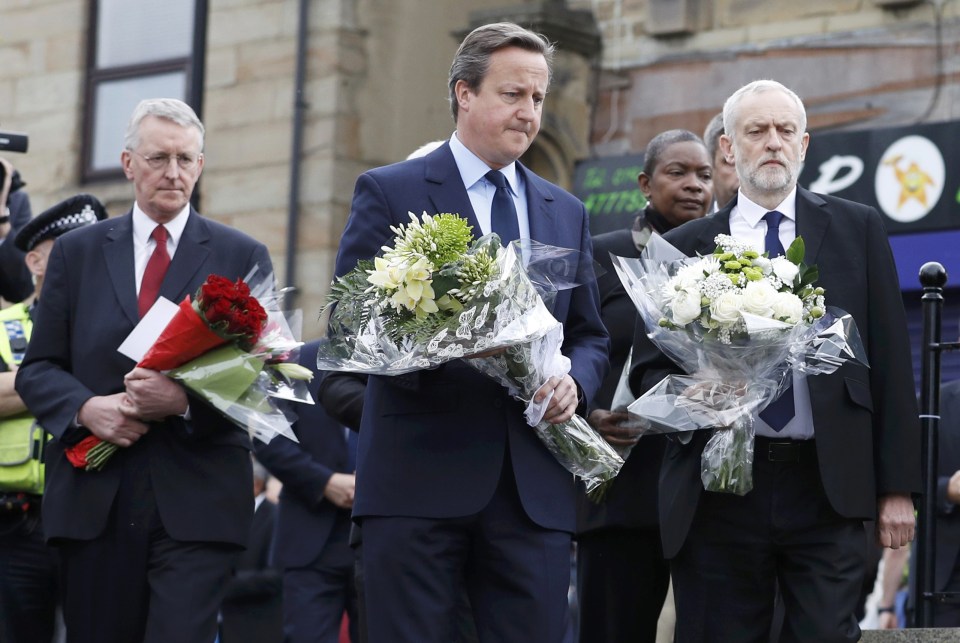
column 143, row 225
column 473, row 169
column 753, row 213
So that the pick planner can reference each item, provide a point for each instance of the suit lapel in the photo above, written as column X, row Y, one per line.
column 191, row 254
column 540, row 216
column 813, row 221
column 717, row 223
column 118, row 253
column 445, row 187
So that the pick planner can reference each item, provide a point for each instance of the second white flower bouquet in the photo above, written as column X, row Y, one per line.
column 738, row 323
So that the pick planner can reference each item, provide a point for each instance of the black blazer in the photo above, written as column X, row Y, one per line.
column 866, row 422
column 305, row 517
column 632, row 498
column 199, row 469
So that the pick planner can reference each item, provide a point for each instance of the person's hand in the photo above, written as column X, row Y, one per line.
column 564, row 402
column 101, row 415
column 953, row 488
column 152, row 396
column 887, row 621
column 340, row 489
column 895, row 520
column 607, row 424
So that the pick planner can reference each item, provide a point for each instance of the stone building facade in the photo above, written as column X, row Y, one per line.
column 281, row 165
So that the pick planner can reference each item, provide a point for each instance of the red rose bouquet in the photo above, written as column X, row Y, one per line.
column 231, row 352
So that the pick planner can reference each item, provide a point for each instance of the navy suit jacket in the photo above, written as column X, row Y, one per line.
column 865, row 419
column 305, row 517
column 199, row 469
column 432, row 443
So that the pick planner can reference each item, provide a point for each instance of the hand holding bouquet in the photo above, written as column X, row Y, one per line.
column 435, row 295
column 231, row 352
column 738, row 323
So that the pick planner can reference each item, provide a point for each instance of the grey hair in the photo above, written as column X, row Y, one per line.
column 472, row 60
column 660, row 142
column 711, row 135
column 168, row 108
column 758, row 87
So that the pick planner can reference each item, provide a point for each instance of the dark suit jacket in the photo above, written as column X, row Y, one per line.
column 306, row 518
column 632, row 499
column 199, row 469
column 948, row 516
column 252, row 609
column 865, row 419
column 432, row 444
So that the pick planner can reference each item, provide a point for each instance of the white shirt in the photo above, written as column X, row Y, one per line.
column 747, row 224
column 480, row 190
column 143, row 243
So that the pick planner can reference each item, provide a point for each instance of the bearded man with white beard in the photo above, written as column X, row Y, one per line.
column 845, row 447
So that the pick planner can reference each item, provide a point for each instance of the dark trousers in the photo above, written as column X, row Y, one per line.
column 516, row 573
column 134, row 583
column 28, row 579
column 783, row 531
column 622, row 580
column 316, row 596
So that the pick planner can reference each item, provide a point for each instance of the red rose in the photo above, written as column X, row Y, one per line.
column 77, row 454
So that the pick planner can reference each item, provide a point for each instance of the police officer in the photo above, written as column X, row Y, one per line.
column 28, row 571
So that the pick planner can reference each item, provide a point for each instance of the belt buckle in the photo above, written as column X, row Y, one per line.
column 782, row 452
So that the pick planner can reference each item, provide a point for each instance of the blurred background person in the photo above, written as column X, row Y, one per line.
column 725, row 179
column 622, row 576
column 252, row 609
column 311, row 544
column 16, row 283
column 28, row 567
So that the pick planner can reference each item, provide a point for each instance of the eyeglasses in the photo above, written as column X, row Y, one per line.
column 162, row 161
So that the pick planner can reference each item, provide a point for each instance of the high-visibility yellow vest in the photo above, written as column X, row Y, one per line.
column 22, row 440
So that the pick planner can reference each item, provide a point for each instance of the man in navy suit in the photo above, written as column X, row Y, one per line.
column 148, row 542
column 311, row 543
column 850, row 451
column 451, row 482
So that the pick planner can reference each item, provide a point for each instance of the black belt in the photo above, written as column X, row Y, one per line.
column 779, row 450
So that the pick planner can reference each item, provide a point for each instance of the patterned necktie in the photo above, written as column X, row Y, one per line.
column 156, row 269
column 503, row 212
column 781, row 410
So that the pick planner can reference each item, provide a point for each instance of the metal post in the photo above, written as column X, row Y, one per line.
column 933, row 277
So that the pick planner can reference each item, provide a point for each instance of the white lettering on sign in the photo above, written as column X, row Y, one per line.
column 832, row 177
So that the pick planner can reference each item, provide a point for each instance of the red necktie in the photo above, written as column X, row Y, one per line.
column 156, row 269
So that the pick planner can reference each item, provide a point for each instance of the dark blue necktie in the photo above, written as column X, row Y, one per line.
column 780, row 410
column 503, row 212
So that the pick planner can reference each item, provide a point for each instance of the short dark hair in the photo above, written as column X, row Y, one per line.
column 712, row 134
column 472, row 60
column 660, row 142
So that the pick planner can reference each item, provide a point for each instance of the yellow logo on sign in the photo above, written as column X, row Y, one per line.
column 913, row 181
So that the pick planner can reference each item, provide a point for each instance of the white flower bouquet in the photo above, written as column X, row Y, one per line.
column 738, row 323
column 437, row 294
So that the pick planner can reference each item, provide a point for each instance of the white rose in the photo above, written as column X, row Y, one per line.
column 786, row 270
column 725, row 309
column 685, row 306
column 787, row 307
column 758, row 298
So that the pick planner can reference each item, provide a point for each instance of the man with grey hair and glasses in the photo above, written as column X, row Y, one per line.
column 148, row 541
column 833, row 451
